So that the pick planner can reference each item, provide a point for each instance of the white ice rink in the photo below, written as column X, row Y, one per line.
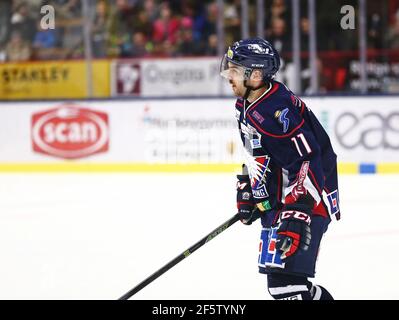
column 95, row 236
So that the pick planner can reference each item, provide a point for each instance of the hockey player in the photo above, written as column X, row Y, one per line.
column 292, row 172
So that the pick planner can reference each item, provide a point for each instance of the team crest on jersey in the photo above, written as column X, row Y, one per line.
column 281, row 115
column 248, row 131
column 260, row 192
column 252, row 137
column 258, row 167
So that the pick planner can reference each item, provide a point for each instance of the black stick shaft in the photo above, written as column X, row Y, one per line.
column 181, row 256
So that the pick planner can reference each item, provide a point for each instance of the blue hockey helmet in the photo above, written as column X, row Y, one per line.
column 250, row 54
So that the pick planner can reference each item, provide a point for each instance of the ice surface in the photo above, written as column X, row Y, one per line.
column 95, row 236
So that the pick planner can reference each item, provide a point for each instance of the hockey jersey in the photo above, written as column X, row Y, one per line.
column 289, row 155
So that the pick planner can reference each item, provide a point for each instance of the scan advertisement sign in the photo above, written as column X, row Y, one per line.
column 70, row 132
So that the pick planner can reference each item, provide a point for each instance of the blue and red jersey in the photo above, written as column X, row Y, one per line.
column 288, row 153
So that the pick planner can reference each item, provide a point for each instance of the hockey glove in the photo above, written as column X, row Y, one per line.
column 245, row 201
column 293, row 233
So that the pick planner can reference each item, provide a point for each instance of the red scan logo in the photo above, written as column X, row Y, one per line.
column 70, row 132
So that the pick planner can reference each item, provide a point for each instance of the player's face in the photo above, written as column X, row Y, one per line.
column 236, row 79
column 238, row 87
column 235, row 74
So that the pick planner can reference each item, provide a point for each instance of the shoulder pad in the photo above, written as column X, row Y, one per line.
column 276, row 117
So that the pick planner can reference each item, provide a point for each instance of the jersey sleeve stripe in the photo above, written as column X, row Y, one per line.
column 302, row 108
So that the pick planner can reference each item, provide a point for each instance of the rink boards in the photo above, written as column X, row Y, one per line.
column 181, row 135
column 343, row 168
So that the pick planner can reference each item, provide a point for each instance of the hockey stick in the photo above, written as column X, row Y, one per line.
column 181, row 256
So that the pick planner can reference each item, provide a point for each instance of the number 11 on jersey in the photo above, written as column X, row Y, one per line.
column 304, row 142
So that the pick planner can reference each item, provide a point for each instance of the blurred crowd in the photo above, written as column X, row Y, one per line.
column 120, row 28
column 154, row 28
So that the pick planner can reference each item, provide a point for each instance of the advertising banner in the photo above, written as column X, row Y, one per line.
column 144, row 131
column 168, row 77
column 361, row 129
column 69, row 132
column 195, row 131
column 52, row 80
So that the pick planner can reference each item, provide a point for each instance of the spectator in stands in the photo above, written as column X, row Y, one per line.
column 323, row 75
column 199, row 18
column 22, row 22
column 166, row 27
column 100, row 30
column 69, row 9
column 305, row 27
column 165, row 32
column 212, row 47
column 279, row 10
column 151, row 10
column 392, row 36
column 232, row 21
column 167, row 49
column 140, row 47
column 210, row 23
column 17, row 49
column 72, row 40
column 121, row 26
column 5, row 13
column 2, row 54
column 330, row 35
column 35, row 5
column 44, row 38
column 187, row 10
column 44, row 43
column 143, row 24
column 186, row 46
column 279, row 37
column 374, row 32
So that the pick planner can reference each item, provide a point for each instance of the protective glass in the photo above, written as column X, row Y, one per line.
column 231, row 71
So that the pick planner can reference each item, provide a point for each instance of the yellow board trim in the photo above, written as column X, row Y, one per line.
column 387, row 168
column 348, row 168
column 343, row 168
column 116, row 167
